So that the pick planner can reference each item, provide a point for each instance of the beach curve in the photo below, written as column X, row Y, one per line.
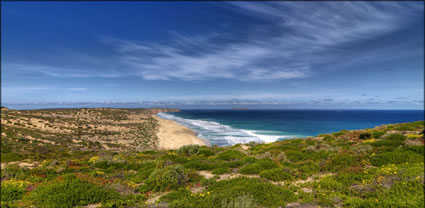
column 172, row 135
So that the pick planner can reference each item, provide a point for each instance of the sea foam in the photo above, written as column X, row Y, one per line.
column 220, row 134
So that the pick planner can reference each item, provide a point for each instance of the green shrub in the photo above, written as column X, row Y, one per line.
column 341, row 161
column 264, row 194
column 144, row 172
column 401, row 194
column 417, row 149
column 14, row 171
column 376, row 133
column 396, row 157
column 349, row 178
column 10, row 157
column 277, row 174
column 70, row 192
column 237, row 192
column 221, row 170
column 189, row 150
column 229, row 155
column 258, row 166
column 206, row 152
column 390, row 142
column 170, row 177
column 176, row 195
column 240, row 201
column 12, row 190
column 131, row 200
column 307, row 169
column 409, row 126
column 328, row 183
column 296, row 156
column 200, row 165
column 110, row 166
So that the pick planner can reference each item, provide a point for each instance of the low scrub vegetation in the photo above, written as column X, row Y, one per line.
column 380, row 167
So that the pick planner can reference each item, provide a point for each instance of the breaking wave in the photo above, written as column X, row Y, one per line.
column 220, row 134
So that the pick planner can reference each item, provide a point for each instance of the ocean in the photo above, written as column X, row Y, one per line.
column 228, row 127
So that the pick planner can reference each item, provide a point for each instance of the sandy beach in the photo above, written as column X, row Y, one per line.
column 172, row 135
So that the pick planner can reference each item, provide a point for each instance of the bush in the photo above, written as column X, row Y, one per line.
column 365, row 136
column 144, row 172
column 277, row 174
column 264, row 194
column 240, row 201
column 237, row 192
column 175, row 195
column 258, row 166
column 221, row 170
column 350, row 177
column 396, row 157
column 170, row 177
column 200, row 165
column 389, row 143
column 307, row 168
column 14, row 171
column 70, row 192
column 10, row 157
column 230, row 155
column 12, row 190
column 189, row 150
column 376, row 133
column 409, row 126
column 329, row 183
column 341, row 161
column 206, row 152
column 417, row 149
column 401, row 194
column 296, row 156
column 126, row 201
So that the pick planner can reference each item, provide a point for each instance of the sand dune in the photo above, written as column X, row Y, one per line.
column 172, row 135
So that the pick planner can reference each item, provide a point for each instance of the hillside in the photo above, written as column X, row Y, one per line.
column 52, row 159
column 80, row 129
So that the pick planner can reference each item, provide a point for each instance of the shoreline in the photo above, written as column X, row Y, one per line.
column 172, row 135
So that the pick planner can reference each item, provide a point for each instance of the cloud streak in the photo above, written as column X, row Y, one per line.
column 310, row 34
column 58, row 72
column 296, row 40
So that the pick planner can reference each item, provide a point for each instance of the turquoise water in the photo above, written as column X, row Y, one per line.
column 227, row 127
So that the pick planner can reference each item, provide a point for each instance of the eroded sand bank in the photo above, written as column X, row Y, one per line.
column 172, row 135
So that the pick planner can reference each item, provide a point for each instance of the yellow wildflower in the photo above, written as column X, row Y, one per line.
column 100, row 172
column 94, row 159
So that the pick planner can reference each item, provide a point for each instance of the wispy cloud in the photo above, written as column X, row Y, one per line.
column 38, row 89
column 58, row 72
column 309, row 34
column 76, row 89
column 295, row 40
column 27, row 89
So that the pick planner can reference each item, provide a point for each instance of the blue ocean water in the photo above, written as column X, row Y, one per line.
column 227, row 127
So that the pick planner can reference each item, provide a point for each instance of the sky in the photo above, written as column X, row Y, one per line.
column 273, row 55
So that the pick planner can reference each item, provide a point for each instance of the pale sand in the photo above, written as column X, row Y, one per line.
column 172, row 135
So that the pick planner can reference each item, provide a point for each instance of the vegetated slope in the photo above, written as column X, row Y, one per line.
column 46, row 131
column 380, row 167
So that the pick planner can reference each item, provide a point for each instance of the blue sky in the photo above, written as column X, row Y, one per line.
column 321, row 55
